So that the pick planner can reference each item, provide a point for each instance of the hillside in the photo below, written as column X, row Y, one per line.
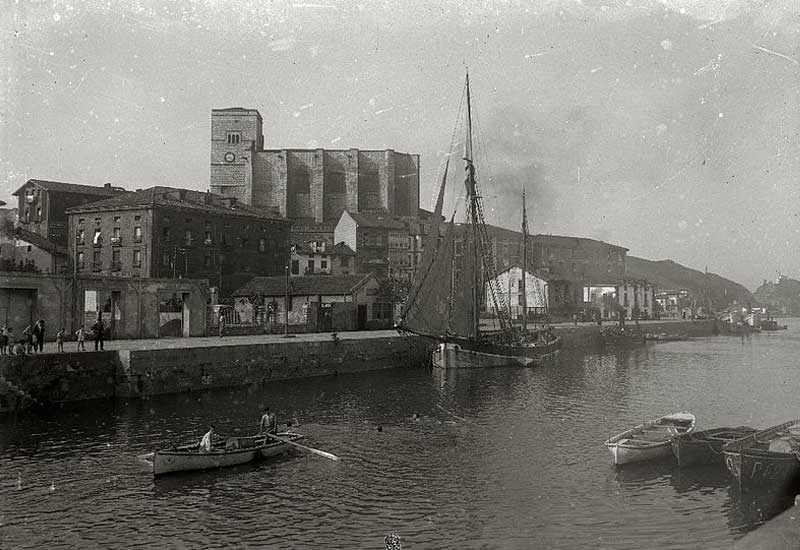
column 781, row 297
column 668, row 275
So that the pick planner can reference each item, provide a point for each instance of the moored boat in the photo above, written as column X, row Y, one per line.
column 650, row 440
column 772, row 325
column 664, row 337
column 231, row 452
column 705, row 447
column 768, row 458
column 448, row 354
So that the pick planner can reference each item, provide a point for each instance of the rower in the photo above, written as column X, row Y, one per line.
column 269, row 422
column 205, row 443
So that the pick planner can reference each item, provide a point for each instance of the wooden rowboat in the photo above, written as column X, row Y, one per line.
column 767, row 459
column 230, row 452
column 650, row 440
column 705, row 447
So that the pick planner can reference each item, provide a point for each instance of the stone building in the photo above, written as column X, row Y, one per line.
column 164, row 232
column 42, row 205
column 319, row 258
column 313, row 186
column 384, row 245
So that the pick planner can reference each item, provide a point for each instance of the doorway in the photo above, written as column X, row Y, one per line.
column 362, row 317
column 186, row 315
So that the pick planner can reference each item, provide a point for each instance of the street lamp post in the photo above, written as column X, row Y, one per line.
column 286, row 306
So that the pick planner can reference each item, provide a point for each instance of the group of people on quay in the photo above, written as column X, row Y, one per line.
column 32, row 338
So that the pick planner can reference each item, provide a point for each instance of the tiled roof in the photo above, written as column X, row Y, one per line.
column 376, row 220
column 39, row 241
column 310, row 285
column 341, row 249
column 73, row 188
column 176, row 198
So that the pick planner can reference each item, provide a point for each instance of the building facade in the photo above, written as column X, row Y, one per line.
column 164, row 232
column 509, row 296
column 384, row 245
column 319, row 258
column 309, row 185
column 42, row 205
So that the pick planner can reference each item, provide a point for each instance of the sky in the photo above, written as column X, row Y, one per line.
column 670, row 127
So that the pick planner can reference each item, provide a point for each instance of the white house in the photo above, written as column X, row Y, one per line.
column 508, row 285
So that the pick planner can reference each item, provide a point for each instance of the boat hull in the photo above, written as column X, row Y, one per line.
column 755, row 467
column 651, row 440
column 187, row 458
column 448, row 355
column 705, row 448
column 539, row 353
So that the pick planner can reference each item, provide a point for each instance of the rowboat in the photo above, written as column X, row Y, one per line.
column 705, row 447
column 649, row 440
column 229, row 452
column 768, row 458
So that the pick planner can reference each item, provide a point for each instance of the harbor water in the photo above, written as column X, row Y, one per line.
column 497, row 458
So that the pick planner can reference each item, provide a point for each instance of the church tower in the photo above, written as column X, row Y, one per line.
column 236, row 134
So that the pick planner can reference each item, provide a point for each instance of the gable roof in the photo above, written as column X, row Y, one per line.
column 310, row 285
column 173, row 197
column 40, row 242
column 73, row 188
column 377, row 220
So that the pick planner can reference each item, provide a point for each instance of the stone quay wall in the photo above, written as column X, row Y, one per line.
column 587, row 336
column 57, row 378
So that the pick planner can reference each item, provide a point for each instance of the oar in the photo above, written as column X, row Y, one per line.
column 330, row 456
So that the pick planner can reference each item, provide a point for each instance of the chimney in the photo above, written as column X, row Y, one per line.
column 107, row 186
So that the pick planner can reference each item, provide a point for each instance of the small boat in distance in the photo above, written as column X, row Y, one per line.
column 705, row 447
column 664, row 337
column 772, row 325
column 649, row 440
column 767, row 459
column 230, row 452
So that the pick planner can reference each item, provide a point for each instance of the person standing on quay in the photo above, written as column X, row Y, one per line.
column 4, row 341
column 60, row 340
column 98, row 330
column 81, row 334
column 221, row 325
column 40, row 334
column 30, row 339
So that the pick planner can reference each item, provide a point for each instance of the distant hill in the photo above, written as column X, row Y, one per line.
column 669, row 275
column 781, row 297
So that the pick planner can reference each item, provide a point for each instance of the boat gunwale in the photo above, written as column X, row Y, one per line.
column 617, row 440
column 739, row 446
column 221, row 452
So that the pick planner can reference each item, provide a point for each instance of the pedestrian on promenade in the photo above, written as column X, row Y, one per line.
column 221, row 325
column 4, row 341
column 30, row 339
column 60, row 340
column 575, row 319
column 81, row 334
column 98, row 330
column 40, row 334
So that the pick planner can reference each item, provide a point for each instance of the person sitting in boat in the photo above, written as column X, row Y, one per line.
column 205, row 443
column 269, row 422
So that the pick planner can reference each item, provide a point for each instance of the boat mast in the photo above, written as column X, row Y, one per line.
column 524, row 264
column 473, row 206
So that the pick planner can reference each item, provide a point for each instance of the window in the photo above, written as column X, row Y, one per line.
column 137, row 218
column 97, row 262
column 81, row 262
column 39, row 214
column 207, row 260
column 81, row 236
column 295, row 267
column 137, row 258
column 243, row 242
column 382, row 311
column 116, row 264
column 165, row 259
column 115, row 236
column 97, row 240
column 323, row 264
column 187, row 237
column 345, row 261
column 310, row 268
column 116, row 219
column 234, row 138
column 165, row 233
column 137, row 234
column 262, row 245
column 81, row 221
column 208, row 239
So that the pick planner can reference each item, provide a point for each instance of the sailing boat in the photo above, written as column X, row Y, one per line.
column 444, row 304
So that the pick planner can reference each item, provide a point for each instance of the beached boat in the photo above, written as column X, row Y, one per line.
column 447, row 297
column 664, row 337
column 705, row 447
column 772, row 325
column 767, row 459
column 230, row 452
column 650, row 440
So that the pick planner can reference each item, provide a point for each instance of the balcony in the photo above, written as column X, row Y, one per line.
column 137, row 238
column 97, row 243
column 116, row 241
column 80, row 240
column 137, row 265
column 97, row 266
column 116, row 265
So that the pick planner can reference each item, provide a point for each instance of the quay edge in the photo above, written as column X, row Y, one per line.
column 183, row 365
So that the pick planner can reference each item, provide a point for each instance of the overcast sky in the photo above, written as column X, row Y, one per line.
column 671, row 127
